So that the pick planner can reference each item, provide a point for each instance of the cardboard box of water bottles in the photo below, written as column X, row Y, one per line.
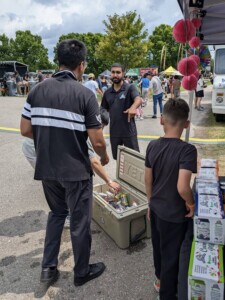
column 206, row 272
column 209, row 220
column 124, row 216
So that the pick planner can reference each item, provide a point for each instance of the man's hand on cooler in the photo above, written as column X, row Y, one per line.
column 114, row 186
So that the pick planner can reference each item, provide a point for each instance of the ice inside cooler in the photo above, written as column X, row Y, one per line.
column 121, row 202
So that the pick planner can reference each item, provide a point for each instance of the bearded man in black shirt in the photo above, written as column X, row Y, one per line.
column 121, row 101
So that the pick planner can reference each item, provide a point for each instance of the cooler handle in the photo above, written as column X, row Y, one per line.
column 137, row 236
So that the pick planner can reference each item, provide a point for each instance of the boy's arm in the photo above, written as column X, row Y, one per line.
column 148, row 187
column 184, row 189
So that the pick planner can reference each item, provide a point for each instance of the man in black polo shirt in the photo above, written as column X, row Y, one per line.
column 59, row 115
column 121, row 100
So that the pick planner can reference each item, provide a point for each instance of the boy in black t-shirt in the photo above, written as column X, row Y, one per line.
column 169, row 163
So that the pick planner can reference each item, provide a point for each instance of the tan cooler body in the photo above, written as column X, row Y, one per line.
column 131, row 225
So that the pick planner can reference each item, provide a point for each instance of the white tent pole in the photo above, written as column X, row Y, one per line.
column 191, row 97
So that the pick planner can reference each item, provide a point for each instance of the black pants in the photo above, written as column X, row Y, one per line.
column 185, row 253
column 130, row 142
column 167, row 238
column 77, row 198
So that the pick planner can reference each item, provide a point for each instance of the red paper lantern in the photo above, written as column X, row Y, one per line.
column 194, row 42
column 187, row 66
column 196, row 22
column 196, row 74
column 189, row 82
column 183, row 31
column 195, row 58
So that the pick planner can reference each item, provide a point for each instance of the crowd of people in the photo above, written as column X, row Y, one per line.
column 22, row 83
column 60, row 114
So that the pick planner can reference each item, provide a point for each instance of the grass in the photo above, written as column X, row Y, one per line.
column 210, row 129
column 214, row 130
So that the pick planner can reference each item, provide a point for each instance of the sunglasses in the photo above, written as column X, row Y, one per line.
column 116, row 72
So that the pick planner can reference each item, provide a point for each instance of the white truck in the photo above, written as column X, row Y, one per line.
column 218, row 93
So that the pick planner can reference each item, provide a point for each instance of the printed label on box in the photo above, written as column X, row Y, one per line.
column 209, row 206
column 206, row 263
column 198, row 289
column 208, row 173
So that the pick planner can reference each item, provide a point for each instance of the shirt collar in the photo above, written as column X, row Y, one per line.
column 65, row 73
column 123, row 88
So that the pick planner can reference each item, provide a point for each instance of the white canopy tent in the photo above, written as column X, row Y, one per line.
column 212, row 30
column 212, row 13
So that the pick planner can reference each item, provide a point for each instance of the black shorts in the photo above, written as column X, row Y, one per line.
column 199, row 94
column 130, row 142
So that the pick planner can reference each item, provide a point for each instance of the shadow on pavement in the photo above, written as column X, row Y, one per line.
column 30, row 221
column 21, row 274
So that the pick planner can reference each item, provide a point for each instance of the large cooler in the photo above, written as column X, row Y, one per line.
column 131, row 225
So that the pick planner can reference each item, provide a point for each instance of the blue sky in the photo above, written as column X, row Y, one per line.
column 52, row 18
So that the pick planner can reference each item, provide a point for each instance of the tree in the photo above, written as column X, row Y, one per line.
column 28, row 48
column 5, row 48
column 162, row 36
column 91, row 41
column 125, row 40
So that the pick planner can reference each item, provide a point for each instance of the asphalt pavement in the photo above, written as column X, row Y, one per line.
column 129, row 273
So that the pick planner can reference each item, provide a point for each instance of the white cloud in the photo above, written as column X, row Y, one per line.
column 52, row 18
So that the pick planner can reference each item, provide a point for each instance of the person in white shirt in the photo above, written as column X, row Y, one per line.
column 92, row 85
column 199, row 93
column 157, row 92
column 165, row 83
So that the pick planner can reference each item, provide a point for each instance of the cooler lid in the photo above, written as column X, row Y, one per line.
column 131, row 168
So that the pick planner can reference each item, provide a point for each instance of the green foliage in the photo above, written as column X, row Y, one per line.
column 162, row 36
column 91, row 40
column 5, row 48
column 125, row 41
column 26, row 48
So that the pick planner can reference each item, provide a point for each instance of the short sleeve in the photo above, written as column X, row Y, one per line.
column 26, row 112
column 105, row 103
column 188, row 159
column 92, row 116
column 148, row 156
column 96, row 85
column 134, row 92
column 91, row 152
column 151, row 84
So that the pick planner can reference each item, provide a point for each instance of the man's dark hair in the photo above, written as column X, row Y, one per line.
column 176, row 76
column 71, row 53
column 176, row 110
column 117, row 65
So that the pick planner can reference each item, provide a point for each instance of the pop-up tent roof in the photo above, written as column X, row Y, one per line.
column 133, row 72
column 212, row 13
column 12, row 66
column 213, row 19
column 169, row 71
column 106, row 73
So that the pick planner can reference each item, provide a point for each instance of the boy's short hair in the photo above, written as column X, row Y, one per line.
column 71, row 53
column 176, row 110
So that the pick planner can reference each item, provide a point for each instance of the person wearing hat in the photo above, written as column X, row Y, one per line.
column 92, row 85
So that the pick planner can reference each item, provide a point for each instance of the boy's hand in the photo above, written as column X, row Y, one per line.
column 190, row 211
